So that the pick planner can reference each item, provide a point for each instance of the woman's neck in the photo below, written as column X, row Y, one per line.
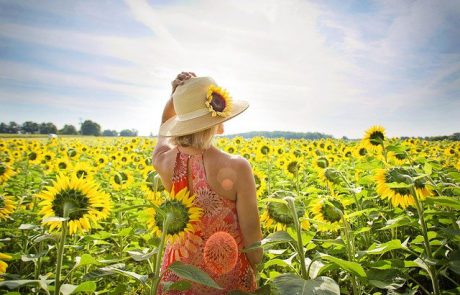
column 191, row 150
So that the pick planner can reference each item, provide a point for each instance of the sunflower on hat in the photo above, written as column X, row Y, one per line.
column 218, row 101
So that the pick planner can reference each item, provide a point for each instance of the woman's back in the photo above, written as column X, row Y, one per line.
column 222, row 170
column 219, row 215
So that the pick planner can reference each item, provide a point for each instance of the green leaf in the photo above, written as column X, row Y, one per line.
column 112, row 270
column 272, row 239
column 399, row 185
column 177, row 286
column 278, row 262
column 397, row 222
column 288, row 284
column 350, row 266
column 27, row 226
column 18, row 283
column 444, row 201
column 314, row 267
column 86, row 259
column 390, row 279
column 140, row 256
column 378, row 249
column 454, row 262
column 193, row 274
column 89, row 286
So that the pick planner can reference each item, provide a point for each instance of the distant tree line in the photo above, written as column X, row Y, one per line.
column 88, row 127
column 454, row 137
column 283, row 134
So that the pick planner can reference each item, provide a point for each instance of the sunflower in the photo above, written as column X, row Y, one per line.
column 360, row 151
column 183, row 213
column 400, row 196
column 397, row 158
column 62, row 165
column 83, row 170
column 34, row 157
column 6, row 207
column 292, row 166
column 277, row 216
column 329, row 176
column 5, row 172
column 4, row 265
column 121, row 180
column 218, row 101
column 321, row 163
column 260, row 180
column 374, row 137
column 328, row 213
column 85, row 202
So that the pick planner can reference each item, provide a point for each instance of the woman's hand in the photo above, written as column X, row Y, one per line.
column 180, row 79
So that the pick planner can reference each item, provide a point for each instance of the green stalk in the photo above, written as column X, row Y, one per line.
column 157, row 277
column 300, row 251
column 350, row 249
column 433, row 274
column 60, row 254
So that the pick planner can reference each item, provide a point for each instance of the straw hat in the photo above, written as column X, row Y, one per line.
column 200, row 104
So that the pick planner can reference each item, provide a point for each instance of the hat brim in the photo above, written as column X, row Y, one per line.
column 174, row 127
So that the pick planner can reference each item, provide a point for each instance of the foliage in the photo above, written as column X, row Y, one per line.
column 89, row 127
column 329, row 225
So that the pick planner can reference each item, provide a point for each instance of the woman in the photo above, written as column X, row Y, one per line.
column 223, row 186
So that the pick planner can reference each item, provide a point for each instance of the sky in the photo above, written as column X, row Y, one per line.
column 334, row 66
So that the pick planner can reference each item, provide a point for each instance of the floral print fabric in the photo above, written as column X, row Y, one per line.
column 219, row 214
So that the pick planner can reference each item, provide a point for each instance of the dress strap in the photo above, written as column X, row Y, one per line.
column 180, row 172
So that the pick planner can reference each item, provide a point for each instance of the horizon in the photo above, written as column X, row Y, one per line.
column 334, row 67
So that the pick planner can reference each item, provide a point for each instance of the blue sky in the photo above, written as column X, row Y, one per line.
column 336, row 67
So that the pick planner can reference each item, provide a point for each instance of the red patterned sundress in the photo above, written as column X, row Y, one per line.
column 219, row 214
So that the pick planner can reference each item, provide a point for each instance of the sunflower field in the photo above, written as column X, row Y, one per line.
column 375, row 216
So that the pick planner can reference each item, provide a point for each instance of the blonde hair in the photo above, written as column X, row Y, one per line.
column 200, row 140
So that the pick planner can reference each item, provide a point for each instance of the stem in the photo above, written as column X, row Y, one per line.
column 156, row 279
column 60, row 255
column 350, row 250
column 433, row 274
column 300, row 250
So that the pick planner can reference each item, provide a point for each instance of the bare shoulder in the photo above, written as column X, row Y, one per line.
column 239, row 163
column 162, row 153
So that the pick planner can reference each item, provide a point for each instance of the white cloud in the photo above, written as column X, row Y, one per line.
column 273, row 53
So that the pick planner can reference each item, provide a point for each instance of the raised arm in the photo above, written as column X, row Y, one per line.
column 168, row 112
column 248, row 212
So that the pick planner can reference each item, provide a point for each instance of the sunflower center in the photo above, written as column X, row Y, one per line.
column 62, row 165
column 179, row 216
column 330, row 211
column 217, row 103
column 362, row 151
column 32, row 156
column 81, row 173
column 281, row 214
column 2, row 169
column 400, row 156
column 376, row 138
column 231, row 150
column 120, row 178
column 77, row 200
column 293, row 167
column 332, row 175
column 265, row 150
column 47, row 157
column 322, row 162
column 399, row 175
